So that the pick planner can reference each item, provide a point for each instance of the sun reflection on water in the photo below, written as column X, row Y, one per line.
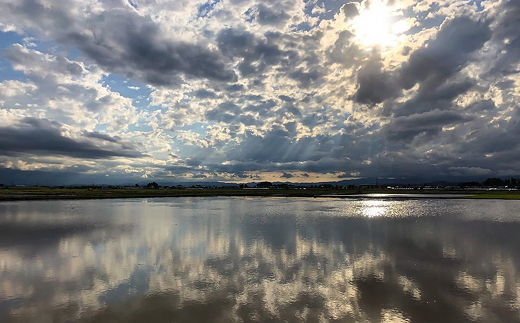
column 374, row 208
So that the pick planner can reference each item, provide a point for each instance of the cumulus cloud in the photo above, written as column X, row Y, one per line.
column 43, row 137
column 270, row 16
column 506, row 38
column 428, row 123
column 247, row 89
column 122, row 41
column 350, row 9
column 35, row 63
column 447, row 54
column 375, row 85
column 257, row 54
column 63, row 90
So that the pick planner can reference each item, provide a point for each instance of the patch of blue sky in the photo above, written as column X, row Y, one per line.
column 409, row 12
column 304, row 26
column 6, row 70
column 48, row 47
column 73, row 54
column 331, row 7
column 8, row 39
column 478, row 3
column 133, row 4
column 140, row 126
column 205, row 9
column 101, row 128
column 185, row 100
column 250, row 15
column 424, row 22
column 138, row 92
column 197, row 127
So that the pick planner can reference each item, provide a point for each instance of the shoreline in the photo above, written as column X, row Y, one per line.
column 39, row 194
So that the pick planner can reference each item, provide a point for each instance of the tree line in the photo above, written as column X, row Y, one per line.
column 493, row 181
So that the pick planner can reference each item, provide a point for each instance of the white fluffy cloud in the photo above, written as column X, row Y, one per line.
column 247, row 87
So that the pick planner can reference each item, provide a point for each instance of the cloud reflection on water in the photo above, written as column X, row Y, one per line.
column 246, row 260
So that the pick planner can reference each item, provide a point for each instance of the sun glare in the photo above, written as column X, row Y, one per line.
column 373, row 26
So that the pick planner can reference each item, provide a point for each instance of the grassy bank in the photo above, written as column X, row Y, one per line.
column 39, row 193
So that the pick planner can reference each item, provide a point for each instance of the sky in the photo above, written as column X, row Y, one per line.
column 122, row 91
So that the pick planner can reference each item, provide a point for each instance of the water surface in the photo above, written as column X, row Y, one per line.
column 260, row 260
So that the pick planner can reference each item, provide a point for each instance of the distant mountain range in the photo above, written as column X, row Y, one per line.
column 357, row 182
column 11, row 177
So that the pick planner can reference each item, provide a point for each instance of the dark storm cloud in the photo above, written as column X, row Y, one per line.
column 345, row 51
column 204, row 94
column 291, row 128
column 434, row 67
column 306, row 77
column 180, row 169
column 484, row 106
column 230, row 113
column 270, row 16
column 101, row 136
column 68, row 176
column 428, row 123
column 449, row 53
column 431, row 66
column 319, row 166
column 141, row 47
column 374, row 84
column 286, row 175
column 18, row 56
column 257, row 54
column 235, row 88
column 344, row 175
column 278, row 149
column 193, row 162
column 350, row 10
column 493, row 138
column 507, row 28
column 224, row 112
column 42, row 137
column 428, row 99
column 286, row 98
column 272, row 147
column 124, row 42
column 262, row 108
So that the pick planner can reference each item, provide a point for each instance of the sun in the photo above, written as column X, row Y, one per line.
column 373, row 25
